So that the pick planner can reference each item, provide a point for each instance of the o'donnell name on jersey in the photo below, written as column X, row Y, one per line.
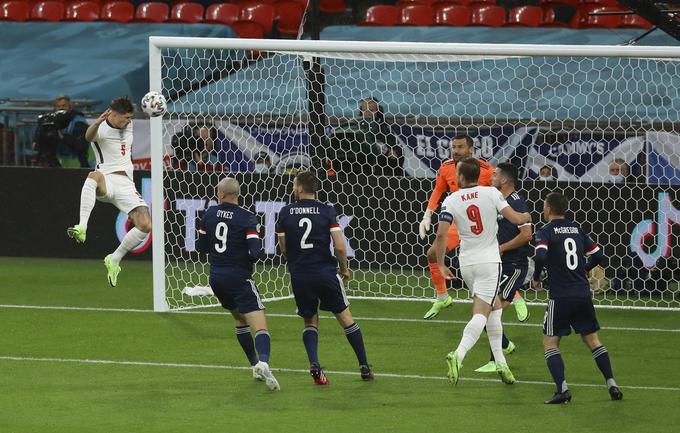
column 304, row 211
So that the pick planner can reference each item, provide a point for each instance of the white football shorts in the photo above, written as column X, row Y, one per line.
column 482, row 280
column 122, row 193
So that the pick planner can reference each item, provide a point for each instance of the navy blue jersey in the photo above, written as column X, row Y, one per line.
column 228, row 233
column 507, row 231
column 562, row 247
column 307, row 226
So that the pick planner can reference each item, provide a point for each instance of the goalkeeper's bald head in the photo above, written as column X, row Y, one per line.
column 227, row 190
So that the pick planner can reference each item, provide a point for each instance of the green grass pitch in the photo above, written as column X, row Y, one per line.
column 111, row 365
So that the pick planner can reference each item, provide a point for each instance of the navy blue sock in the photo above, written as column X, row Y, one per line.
column 310, row 336
column 556, row 366
column 504, row 344
column 246, row 341
column 262, row 344
column 601, row 357
column 353, row 334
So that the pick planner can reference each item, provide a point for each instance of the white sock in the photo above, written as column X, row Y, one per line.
column 471, row 334
column 88, row 197
column 442, row 296
column 494, row 330
column 133, row 238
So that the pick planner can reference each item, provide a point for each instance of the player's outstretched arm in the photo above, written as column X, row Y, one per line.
column 440, row 245
column 516, row 217
column 91, row 132
column 340, row 253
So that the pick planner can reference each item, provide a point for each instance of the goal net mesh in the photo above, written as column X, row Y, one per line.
column 376, row 128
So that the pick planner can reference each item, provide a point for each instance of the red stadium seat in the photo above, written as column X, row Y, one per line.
column 14, row 11
column 222, row 13
column 381, row 16
column 186, row 13
column 263, row 14
column 416, row 15
column 482, row 2
column 488, row 15
column 288, row 17
column 525, row 16
column 47, row 11
column 82, row 11
column 248, row 29
column 332, row 6
column 452, row 16
column 634, row 21
column 118, row 11
column 584, row 20
column 152, row 12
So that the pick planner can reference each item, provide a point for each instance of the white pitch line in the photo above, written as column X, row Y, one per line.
column 376, row 319
column 297, row 370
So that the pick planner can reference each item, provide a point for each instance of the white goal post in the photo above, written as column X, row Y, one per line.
column 582, row 113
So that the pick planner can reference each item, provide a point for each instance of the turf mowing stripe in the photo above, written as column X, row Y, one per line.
column 376, row 319
column 296, row 370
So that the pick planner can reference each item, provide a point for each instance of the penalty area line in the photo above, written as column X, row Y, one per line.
column 303, row 371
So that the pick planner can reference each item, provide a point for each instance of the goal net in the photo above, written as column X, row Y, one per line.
column 375, row 121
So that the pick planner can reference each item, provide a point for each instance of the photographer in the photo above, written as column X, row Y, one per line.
column 64, row 128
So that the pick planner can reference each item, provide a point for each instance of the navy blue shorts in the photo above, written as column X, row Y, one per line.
column 512, row 279
column 563, row 314
column 235, row 291
column 323, row 291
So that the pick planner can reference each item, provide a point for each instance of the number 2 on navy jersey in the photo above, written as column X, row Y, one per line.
column 308, row 228
column 221, row 235
column 476, row 217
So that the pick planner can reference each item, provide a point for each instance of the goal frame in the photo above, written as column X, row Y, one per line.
column 156, row 43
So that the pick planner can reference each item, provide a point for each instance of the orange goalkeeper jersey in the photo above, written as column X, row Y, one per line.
column 447, row 180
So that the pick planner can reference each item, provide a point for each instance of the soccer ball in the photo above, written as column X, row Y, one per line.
column 154, row 104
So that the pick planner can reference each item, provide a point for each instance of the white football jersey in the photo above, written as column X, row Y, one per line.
column 113, row 149
column 475, row 213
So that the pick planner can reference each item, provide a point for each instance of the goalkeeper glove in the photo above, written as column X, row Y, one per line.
column 425, row 223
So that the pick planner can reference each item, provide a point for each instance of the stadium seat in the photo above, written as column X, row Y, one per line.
column 487, row 15
column 332, row 6
column 14, row 11
column 222, row 13
column 154, row 12
column 82, row 11
column 634, row 21
column 118, row 11
column 416, row 15
column 47, row 11
column 248, row 29
column 288, row 17
column 186, row 13
column 482, row 2
column 263, row 14
column 584, row 20
column 525, row 16
column 454, row 15
column 381, row 16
